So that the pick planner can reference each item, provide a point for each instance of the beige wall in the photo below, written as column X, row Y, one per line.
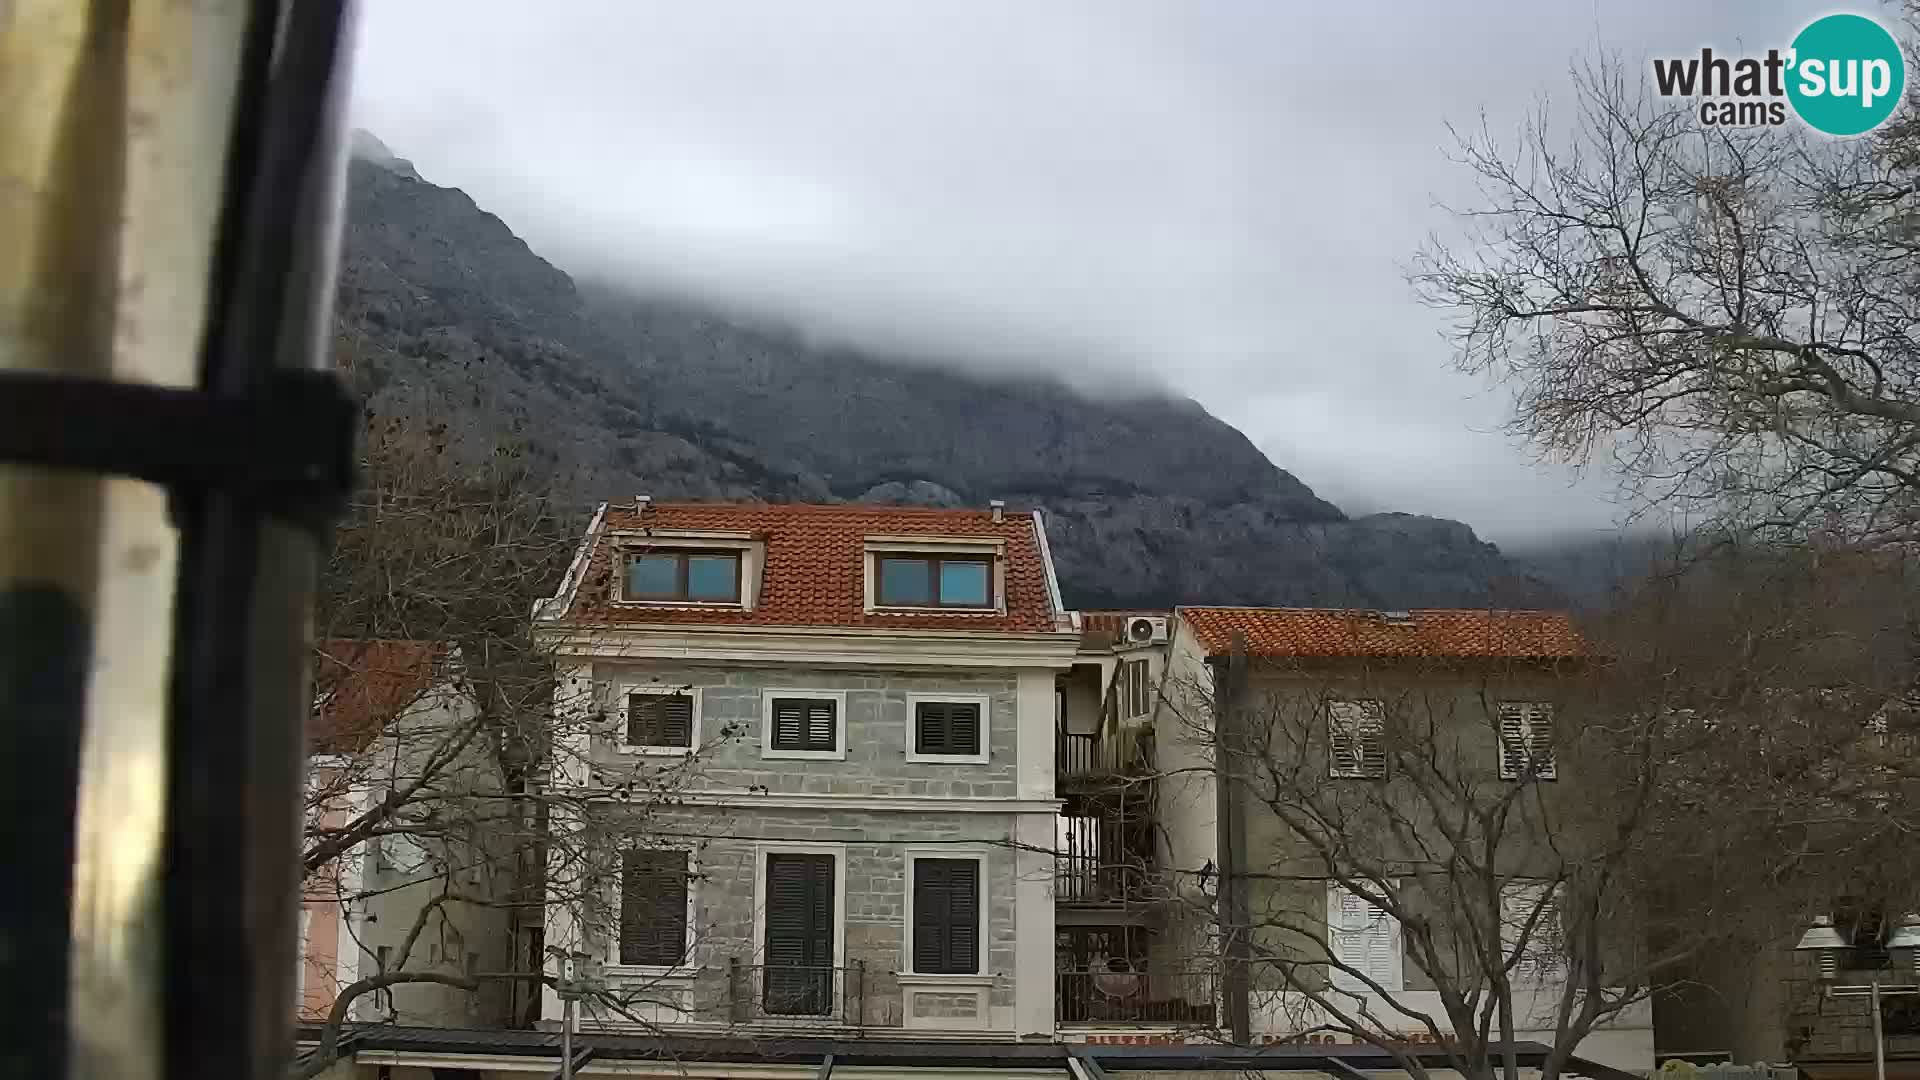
column 1450, row 710
column 368, row 900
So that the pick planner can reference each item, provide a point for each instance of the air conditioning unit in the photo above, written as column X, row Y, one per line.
column 1147, row 630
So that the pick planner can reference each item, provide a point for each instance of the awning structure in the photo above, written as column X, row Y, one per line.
column 539, row 1052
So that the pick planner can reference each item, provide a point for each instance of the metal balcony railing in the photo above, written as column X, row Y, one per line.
column 834, row 995
column 1115, row 994
column 1085, row 879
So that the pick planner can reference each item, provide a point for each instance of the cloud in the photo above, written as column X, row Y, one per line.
column 1214, row 197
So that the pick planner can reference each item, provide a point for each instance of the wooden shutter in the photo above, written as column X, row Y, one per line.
column 1526, row 736
column 946, row 916
column 1513, row 741
column 1540, row 742
column 1365, row 939
column 1356, row 739
column 947, row 727
column 799, row 935
column 653, row 907
column 1544, row 955
column 659, row 719
column 806, row 724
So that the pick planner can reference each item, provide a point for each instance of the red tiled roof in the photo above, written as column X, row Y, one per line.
column 815, row 572
column 1436, row 632
column 362, row 685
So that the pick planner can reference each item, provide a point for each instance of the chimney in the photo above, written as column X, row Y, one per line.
column 641, row 503
column 999, row 508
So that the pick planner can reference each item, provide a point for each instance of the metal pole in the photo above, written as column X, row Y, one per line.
column 566, row 1040
column 1879, row 1040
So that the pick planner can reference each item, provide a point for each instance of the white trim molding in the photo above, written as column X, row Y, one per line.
column 623, row 692
column 896, row 649
column 985, row 703
column 839, row 699
column 1053, row 579
column 744, row 799
column 557, row 605
column 794, row 847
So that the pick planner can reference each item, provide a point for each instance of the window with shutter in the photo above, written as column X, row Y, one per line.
column 1363, row 938
column 653, row 907
column 660, row 720
column 1544, row 954
column 947, row 728
column 1526, row 741
column 799, row 957
column 946, row 916
column 805, row 724
column 1356, row 740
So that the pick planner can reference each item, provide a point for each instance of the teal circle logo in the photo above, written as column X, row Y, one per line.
column 1848, row 75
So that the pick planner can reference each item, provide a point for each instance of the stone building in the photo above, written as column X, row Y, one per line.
column 819, row 744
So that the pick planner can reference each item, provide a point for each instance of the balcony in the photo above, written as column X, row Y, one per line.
column 816, row 995
column 1104, row 844
column 1116, row 754
column 1116, row 992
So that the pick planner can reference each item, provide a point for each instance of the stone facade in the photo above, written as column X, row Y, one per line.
column 872, row 848
column 877, row 722
column 992, row 811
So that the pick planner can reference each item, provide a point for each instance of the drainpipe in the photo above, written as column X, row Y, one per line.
column 1229, row 679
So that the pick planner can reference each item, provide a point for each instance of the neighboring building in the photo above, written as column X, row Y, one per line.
column 817, row 747
column 1123, row 965
column 1319, row 691
column 393, row 715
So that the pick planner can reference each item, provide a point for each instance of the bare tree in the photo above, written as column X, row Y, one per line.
column 1466, row 852
column 1723, row 313
column 440, row 724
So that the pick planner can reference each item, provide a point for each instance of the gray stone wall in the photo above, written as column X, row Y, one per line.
column 727, row 845
column 878, row 722
column 1823, row 1025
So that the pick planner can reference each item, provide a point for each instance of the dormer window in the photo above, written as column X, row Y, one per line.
column 700, row 577
column 959, row 581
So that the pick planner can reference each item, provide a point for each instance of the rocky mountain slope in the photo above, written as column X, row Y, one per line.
column 445, row 314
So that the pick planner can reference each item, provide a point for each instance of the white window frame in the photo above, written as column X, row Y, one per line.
column 1517, row 899
column 615, row 890
column 1529, row 711
column 1396, row 947
column 985, row 974
column 795, row 847
column 984, row 701
column 767, row 751
column 992, row 549
column 1360, row 708
column 629, row 542
column 620, row 735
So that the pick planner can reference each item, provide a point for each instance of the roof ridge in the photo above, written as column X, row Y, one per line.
column 872, row 508
column 1555, row 612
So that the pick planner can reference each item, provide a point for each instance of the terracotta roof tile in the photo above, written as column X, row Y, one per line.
column 362, row 685
column 815, row 572
column 1435, row 632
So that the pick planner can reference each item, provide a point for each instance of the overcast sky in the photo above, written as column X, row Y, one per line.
column 1212, row 195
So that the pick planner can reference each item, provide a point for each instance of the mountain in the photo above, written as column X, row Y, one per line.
column 444, row 313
